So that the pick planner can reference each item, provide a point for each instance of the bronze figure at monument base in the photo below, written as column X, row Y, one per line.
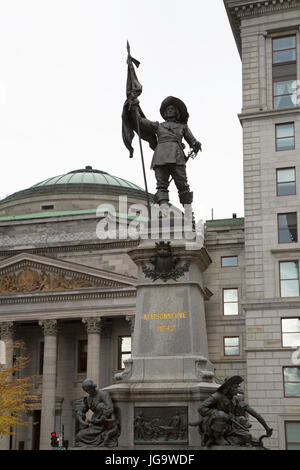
column 103, row 428
column 223, row 418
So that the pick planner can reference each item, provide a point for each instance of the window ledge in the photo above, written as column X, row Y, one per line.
column 292, row 249
column 273, row 349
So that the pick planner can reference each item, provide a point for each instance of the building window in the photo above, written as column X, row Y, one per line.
column 284, row 50
column 287, row 228
column 289, row 278
column 230, row 302
column 82, row 356
column 286, row 181
column 291, row 381
column 124, row 352
column 232, row 346
column 292, row 435
column 285, row 136
column 229, row 261
column 41, row 357
column 290, row 330
column 284, row 93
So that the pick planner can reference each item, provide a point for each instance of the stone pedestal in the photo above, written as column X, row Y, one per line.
column 169, row 372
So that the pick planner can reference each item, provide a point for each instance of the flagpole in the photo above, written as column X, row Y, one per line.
column 139, row 135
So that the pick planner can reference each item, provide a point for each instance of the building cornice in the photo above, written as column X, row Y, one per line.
column 270, row 113
column 111, row 245
column 237, row 10
column 67, row 296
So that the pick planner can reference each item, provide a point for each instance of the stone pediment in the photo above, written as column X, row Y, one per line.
column 31, row 273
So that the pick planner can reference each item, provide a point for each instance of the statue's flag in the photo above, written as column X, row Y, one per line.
column 132, row 111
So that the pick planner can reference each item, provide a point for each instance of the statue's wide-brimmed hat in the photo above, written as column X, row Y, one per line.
column 172, row 101
column 229, row 381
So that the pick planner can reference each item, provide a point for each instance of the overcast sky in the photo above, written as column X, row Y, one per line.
column 62, row 89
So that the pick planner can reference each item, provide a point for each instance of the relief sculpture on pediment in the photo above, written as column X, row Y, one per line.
column 30, row 280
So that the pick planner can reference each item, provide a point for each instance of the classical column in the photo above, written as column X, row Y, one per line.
column 94, row 326
column 7, row 335
column 49, row 382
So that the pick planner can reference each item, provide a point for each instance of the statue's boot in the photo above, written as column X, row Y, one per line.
column 186, row 197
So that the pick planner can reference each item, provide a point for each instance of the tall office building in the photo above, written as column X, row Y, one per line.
column 268, row 39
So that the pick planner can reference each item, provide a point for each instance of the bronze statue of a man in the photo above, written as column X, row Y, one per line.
column 169, row 160
column 223, row 419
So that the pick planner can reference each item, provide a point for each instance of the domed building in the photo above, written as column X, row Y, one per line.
column 77, row 190
column 71, row 297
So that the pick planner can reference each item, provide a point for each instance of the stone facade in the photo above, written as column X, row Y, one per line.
column 255, row 26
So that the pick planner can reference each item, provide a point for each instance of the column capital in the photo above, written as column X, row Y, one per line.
column 50, row 327
column 7, row 329
column 93, row 324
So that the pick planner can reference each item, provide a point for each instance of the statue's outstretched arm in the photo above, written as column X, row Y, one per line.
column 259, row 418
column 148, row 125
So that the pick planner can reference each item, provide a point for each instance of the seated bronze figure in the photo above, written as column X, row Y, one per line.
column 103, row 429
column 223, row 418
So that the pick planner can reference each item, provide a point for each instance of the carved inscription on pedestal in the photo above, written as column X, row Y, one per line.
column 166, row 321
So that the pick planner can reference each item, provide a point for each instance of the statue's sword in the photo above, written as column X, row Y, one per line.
column 192, row 154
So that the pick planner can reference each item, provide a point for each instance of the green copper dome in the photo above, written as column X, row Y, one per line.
column 84, row 181
column 87, row 176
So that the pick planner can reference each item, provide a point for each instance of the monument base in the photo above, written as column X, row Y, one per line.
column 169, row 373
column 159, row 413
